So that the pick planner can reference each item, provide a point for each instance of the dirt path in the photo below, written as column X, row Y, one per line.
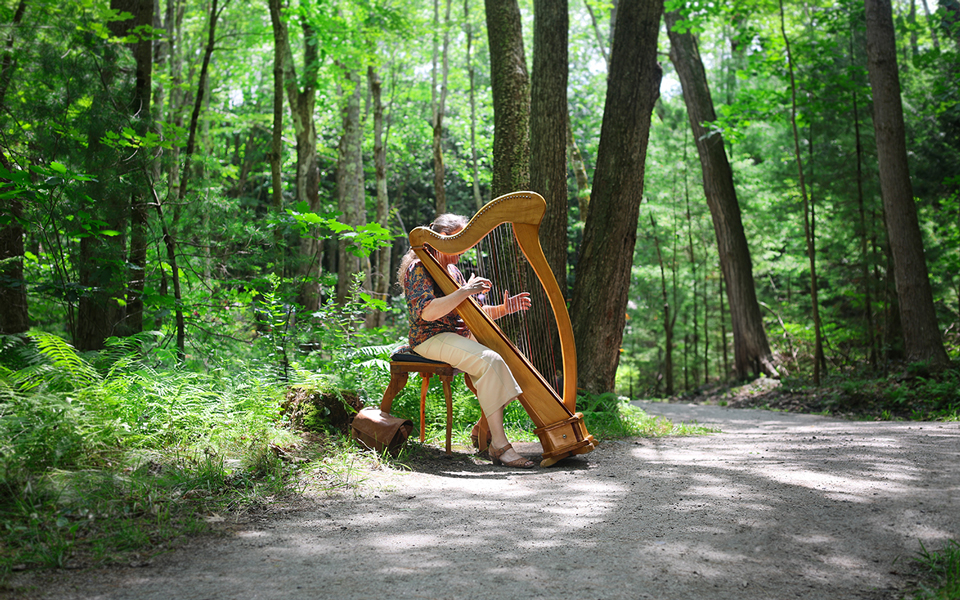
column 777, row 506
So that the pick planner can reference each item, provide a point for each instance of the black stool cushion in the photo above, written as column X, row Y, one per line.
column 411, row 356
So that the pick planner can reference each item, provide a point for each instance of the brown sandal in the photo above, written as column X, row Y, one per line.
column 520, row 463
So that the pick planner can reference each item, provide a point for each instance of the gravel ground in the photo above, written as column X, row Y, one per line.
column 774, row 506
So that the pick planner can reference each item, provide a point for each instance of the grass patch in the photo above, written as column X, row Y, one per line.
column 608, row 416
column 941, row 570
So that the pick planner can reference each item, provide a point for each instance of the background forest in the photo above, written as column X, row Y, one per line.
column 228, row 180
column 205, row 201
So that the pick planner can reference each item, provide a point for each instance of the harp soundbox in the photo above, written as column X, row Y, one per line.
column 561, row 431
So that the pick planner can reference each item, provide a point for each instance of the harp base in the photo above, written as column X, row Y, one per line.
column 563, row 439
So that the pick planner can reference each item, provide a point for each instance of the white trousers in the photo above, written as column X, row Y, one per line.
column 495, row 384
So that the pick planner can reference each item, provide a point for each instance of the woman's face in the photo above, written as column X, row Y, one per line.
column 450, row 259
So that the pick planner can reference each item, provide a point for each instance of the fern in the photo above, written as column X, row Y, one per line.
column 381, row 351
column 56, row 364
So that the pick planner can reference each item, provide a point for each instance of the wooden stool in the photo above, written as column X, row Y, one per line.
column 401, row 365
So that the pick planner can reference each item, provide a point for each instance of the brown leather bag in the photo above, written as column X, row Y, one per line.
column 380, row 431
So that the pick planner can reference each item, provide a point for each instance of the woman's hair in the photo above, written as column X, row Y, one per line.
column 444, row 224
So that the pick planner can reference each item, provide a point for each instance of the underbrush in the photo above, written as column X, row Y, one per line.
column 913, row 392
column 111, row 457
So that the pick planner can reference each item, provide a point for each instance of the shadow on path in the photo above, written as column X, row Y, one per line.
column 776, row 506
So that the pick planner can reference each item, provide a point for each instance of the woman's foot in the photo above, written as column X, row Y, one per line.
column 508, row 457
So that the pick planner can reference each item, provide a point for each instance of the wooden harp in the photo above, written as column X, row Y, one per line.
column 561, row 431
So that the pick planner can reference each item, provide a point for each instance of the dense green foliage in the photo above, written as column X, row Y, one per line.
column 95, row 443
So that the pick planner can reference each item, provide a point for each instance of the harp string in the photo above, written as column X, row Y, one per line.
column 498, row 257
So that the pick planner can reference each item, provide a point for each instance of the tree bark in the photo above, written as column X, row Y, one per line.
column 276, row 140
column 668, row 320
column 603, row 270
column 548, row 127
column 102, row 308
column 439, row 102
column 809, row 215
column 579, row 171
column 474, row 161
column 14, row 317
column 511, row 98
column 380, row 270
column 139, row 216
column 307, row 179
column 9, row 60
column 922, row 340
column 751, row 348
column 350, row 181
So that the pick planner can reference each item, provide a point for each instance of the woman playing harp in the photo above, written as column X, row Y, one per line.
column 437, row 332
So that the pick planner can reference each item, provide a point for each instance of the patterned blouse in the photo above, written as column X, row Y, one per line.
column 419, row 291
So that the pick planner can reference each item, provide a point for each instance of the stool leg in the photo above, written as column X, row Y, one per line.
column 424, row 386
column 448, row 396
column 397, row 381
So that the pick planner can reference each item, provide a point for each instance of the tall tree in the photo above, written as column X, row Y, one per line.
column 102, row 261
column 14, row 317
column 438, row 92
column 302, row 102
column 139, row 202
column 922, row 340
column 606, row 255
column 809, row 217
column 751, row 348
column 548, row 128
column 350, row 193
column 511, row 98
column 471, row 73
column 380, row 270
column 276, row 140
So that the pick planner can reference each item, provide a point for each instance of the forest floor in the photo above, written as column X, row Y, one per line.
column 772, row 505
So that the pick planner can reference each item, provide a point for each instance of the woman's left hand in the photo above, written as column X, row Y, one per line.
column 512, row 304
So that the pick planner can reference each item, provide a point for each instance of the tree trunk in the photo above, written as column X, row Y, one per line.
column 276, row 140
column 511, row 98
column 381, row 268
column 751, row 348
column 922, row 340
column 601, row 43
column 350, row 182
column 809, row 218
column 307, row 178
column 9, row 60
column 439, row 103
column 864, row 237
column 139, row 216
column 14, row 318
column 103, row 258
column 668, row 321
column 579, row 171
column 603, row 270
column 548, row 126
column 474, row 161
column 13, row 289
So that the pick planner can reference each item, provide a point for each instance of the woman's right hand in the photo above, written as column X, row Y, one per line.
column 476, row 285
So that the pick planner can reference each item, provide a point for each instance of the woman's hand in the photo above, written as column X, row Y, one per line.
column 444, row 305
column 476, row 285
column 512, row 304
